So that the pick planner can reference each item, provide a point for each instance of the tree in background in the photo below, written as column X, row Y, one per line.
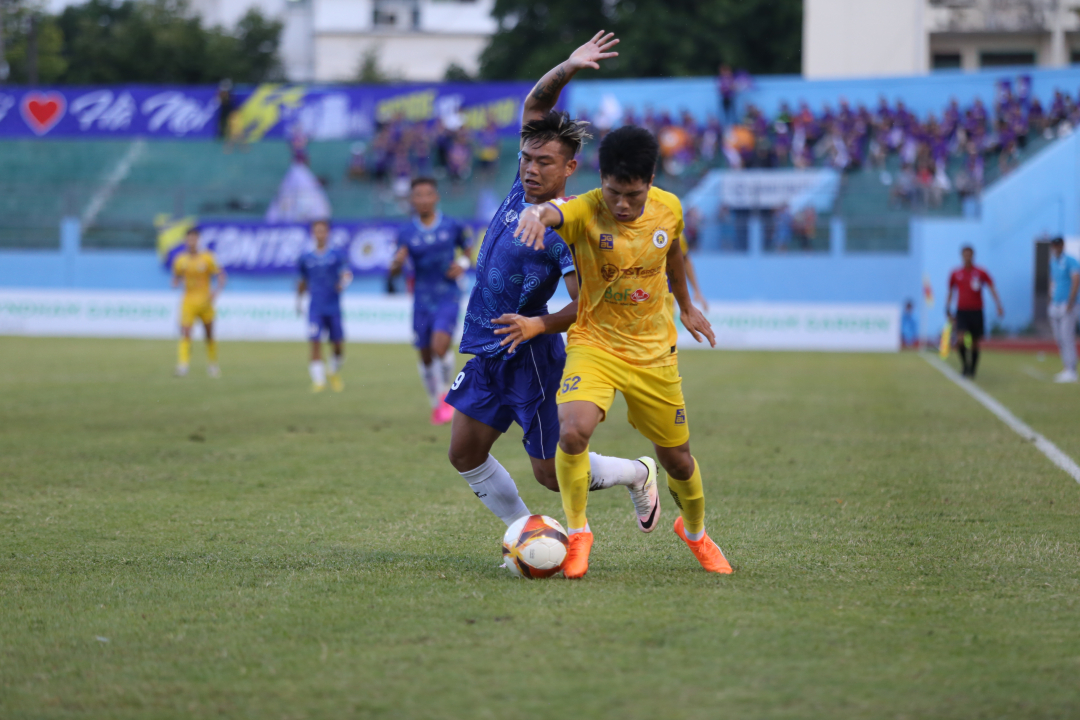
column 151, row 41
column 660, row 38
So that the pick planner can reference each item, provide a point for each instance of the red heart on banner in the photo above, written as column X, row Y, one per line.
column 42, row 110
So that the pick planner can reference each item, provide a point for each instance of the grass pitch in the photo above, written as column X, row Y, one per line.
column 241, row 548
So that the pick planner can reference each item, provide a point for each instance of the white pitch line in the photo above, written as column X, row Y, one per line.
column 97, row 202
column 1021, row 428
column 1032, row 372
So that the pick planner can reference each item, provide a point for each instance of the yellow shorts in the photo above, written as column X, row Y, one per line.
column 196, row 308
column 654, row 396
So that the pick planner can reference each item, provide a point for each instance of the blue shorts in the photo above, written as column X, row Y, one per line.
column 328, row 320
column 439, row 317
column 520, row 388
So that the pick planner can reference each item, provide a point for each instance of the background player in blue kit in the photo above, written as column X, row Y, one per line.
column 516, row 370
column 324, row 273
column 431, row 242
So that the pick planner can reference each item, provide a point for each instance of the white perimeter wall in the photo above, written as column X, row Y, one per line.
column 370, row 318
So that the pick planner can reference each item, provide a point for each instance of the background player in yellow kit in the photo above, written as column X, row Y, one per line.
column 198, row 271
column 625, row 238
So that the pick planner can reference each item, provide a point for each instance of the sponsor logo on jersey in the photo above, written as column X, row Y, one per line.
column 680, row 416
column 660, row 239
column 610, row 272
column 607, row 242
column 625, row 297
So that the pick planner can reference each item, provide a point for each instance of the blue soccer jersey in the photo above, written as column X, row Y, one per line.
column 431, row 251
column 322, row 271
column 511, row 278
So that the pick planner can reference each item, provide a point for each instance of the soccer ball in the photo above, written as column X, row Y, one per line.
column 534, row 547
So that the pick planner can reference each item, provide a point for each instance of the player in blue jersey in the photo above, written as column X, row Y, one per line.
column 432, row 243
column 516, row 369
column 324, row 273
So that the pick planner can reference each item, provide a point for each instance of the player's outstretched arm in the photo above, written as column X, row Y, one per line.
column 399, row 261
column 692, row 318
column 301, row 288
column 518, row 328
column 997, row 301
column 344, row 280
column 534, row 222
column 691, row 277
column 545, row 95
column 219, row 281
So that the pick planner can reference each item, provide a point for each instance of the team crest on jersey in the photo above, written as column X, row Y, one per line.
column 607, row 242
column 660, row 239
column 609, row 272
column 680, row 416
column 640, row 295
column 510, row 217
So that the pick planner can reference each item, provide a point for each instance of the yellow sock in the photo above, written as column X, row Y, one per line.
column 573, row 474
column 211, row 351
column 690, row 498
column 184, row 356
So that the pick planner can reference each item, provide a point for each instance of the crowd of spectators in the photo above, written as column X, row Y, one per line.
column 401, row 150
column 943, row 152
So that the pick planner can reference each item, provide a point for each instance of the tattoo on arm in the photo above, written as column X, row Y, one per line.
column 546, row 92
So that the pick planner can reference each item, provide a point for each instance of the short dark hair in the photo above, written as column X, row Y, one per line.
column 424, row 181
column 1057, row 240
column 967, row 248
column 629, row 153
column 192, row 231
column 557, row 126
column 320, row 221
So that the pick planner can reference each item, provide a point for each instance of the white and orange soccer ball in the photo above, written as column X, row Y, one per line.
column 534, row 547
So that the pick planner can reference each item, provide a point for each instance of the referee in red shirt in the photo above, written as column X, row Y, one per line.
column 968, row 323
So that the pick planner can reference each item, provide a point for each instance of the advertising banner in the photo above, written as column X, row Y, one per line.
column 771, row 326
column 240, row 316
column 378, row 318
column 265, row 111
column 259, row 248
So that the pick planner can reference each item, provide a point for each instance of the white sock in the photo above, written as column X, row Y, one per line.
column 575, row 531
column 609, row 471
column 336, row 362
column 318, row 372
column 694, row 537
column 431, row 377
column 496, row 489
column 448, row 367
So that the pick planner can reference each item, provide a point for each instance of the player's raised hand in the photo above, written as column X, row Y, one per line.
column 698, row 325
column 591, row 53
column 530, row 229
column 517, row 330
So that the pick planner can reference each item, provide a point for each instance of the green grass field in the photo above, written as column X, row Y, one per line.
column 241, row 548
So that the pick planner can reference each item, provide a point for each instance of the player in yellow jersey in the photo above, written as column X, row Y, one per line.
column 625, row 238
column 198, row 270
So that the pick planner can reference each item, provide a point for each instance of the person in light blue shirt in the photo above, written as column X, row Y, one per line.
column 909, row 326
column 1064, row 282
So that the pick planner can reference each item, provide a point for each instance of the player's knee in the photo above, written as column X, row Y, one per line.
column 679, row 465
column 572, row 438
column 547, row 478
column 463, row 458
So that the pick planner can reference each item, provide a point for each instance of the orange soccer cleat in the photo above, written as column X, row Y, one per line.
column 705, row 550
column 576, row 563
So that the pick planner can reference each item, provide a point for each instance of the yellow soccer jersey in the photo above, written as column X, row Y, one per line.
column 622, row 267
column 196, row 270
